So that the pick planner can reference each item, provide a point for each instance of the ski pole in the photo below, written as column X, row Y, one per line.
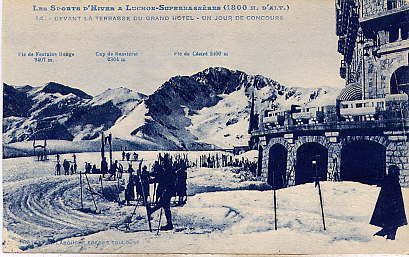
column 275, row 210
column 317, row 184
column 102, row 187
column 160, row 218
column 82, row 204
column 322, row 207
column 92, row 193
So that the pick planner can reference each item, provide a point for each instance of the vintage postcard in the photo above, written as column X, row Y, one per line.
column 220, row 127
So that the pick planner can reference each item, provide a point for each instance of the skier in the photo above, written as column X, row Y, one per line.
column 166, row 178
column 66, row 166
column 113, row 170
column 128, row 156
column 181, row 177
column 135, row 156
column 104, row 166
column 123, row 155
column 58, row 169
column 389, row 212
column 129, row 191
column 144, row 185
column 58, row 157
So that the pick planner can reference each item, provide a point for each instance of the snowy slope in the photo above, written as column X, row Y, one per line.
column 61, row 112
column 212, row 107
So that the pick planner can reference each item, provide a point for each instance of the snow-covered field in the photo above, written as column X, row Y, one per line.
column 224, row 214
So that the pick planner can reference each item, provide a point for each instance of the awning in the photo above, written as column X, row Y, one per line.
column 351, row 92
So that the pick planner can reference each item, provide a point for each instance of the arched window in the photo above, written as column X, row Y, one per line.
column 400, row 81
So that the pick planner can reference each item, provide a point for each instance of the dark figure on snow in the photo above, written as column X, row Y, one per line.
column 104, row 166
column 123, row 155
column 143, row 183
column 120, row 170
column 129, row 191
column 128, row 156
column 66, row 166
column 166, row 178
column 58, row 157
column 135, row 156
column 75, row 167
column 113, row 170
column 88, row 168
column 58, row 169
column 389, row 212
column 94, row 169
column 181, row 177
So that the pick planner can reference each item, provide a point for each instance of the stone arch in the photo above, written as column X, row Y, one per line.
column 363, row 161
column 322, row 140
column 266, row 152
column 399, row 80
column 378, row 139
column 388, row 64
column 277, row 166
column 311, row 161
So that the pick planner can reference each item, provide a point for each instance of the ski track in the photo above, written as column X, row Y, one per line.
column 42, row 211
column 46, row 211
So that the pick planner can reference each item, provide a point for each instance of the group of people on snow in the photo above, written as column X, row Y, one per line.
column 168, row 176
column 127, row 156
column 69, row 169
column 221, row 160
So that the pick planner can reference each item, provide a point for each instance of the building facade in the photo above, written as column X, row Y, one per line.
column 366, row 129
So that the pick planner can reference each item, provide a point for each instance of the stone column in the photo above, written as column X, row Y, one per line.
column 397, row 153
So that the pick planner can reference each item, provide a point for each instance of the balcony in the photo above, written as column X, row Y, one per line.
column 371, row 110
column 305, row 115
column 392, row 124
column 271, row 119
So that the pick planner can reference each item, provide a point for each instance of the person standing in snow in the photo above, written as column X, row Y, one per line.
column 129, row 191
column 58, row 169
column 104, row 167
column 389, row 212
column 181, row 177
column 66, row 166
column 113, row 170
column 143, row 182
column 166, row 178
column 88, row 168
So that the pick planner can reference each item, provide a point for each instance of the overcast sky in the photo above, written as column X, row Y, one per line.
column 300, row 50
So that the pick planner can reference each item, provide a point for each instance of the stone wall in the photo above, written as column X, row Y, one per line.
column 397, row 152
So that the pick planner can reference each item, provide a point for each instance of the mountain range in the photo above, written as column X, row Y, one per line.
column 207, row 110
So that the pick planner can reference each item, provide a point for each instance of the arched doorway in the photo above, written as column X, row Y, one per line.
column 277, row 166
column 400, row 81
column 305, row 169
column 259, row 161
column 363, row 161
